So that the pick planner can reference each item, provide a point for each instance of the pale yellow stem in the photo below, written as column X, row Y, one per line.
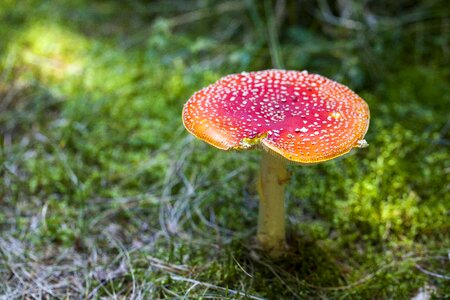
column 273, row 176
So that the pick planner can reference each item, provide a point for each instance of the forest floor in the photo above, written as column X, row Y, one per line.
column 103, row 193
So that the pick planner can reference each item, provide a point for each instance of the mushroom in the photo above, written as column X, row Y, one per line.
column 294, row 116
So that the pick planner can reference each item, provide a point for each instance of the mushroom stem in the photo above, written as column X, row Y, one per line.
column 273, row 176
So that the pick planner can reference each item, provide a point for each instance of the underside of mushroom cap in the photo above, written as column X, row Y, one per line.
column 305, row 118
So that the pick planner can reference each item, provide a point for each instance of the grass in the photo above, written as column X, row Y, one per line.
column 104, row 194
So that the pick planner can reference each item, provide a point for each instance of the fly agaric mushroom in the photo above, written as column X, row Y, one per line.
column 295, row 116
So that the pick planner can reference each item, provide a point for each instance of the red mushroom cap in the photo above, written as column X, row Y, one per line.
column 303, row 117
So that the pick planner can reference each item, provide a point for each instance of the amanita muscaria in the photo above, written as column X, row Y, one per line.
column 294, row 116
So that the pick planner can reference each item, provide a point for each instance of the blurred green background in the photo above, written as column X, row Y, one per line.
column 104, row 194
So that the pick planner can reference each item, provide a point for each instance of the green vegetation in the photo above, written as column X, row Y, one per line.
column 104, row 194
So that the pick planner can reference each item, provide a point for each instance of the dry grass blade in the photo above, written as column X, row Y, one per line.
column 421, row 269
column 172, row 268
column 200, row 14
column 212, row 286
